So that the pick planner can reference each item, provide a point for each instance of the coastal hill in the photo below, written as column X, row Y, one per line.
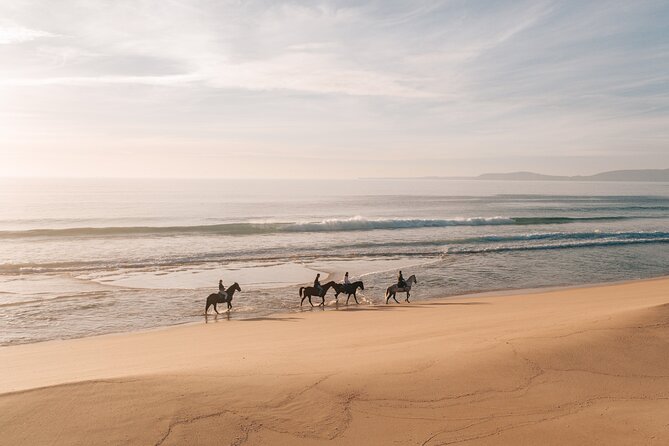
column 646, row 175
column 614, row 175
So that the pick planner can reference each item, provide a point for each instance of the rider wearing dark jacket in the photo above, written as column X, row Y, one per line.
column 317, row 283
column 400, row 281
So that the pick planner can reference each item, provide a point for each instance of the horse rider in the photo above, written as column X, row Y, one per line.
column 401, row 284
column 346, row 281
column 221, row 290
column 317, row 284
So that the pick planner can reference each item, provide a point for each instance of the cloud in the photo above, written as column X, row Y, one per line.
column 101, row 80
column 313, row 46
column 313, row 73
column 386, row 78
column 11, row 33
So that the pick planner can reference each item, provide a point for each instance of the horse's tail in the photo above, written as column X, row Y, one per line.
column 301, row 289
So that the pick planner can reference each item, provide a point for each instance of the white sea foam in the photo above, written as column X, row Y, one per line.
column 359, row 223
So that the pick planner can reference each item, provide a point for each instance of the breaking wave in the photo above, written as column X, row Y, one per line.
column 426, row 248
column 328, row 225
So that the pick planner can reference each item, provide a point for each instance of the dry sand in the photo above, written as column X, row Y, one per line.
column 566, row 367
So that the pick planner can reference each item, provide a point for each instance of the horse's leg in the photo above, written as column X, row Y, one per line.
column 215, row 309
column 407, row 299
column 349, row 296
column 206, row 308
column 388, row 298
column 302, row 301
column 310, row 302
column 395, row 298
column 356, row 298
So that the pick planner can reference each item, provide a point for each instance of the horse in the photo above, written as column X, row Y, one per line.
column 393, row 289
column 309, row 291
column 216, row 298
column 349, row 289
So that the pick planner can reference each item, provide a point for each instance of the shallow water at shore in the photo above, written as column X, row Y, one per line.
column 89, row 257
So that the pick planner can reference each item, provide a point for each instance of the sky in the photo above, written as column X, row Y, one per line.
column 316, row 89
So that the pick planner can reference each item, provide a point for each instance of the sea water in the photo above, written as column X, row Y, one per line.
column 84, row 257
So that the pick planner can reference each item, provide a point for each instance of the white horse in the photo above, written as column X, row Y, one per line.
column 394, row 289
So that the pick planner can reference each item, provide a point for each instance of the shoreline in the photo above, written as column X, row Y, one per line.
column 561, row 366
column 315, row 311
column 332, row 275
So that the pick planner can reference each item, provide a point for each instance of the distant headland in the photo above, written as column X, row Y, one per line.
column 641, row 175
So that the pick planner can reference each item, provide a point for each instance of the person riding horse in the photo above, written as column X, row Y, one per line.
column 401, row 284
column 221, row 290
column 317, row 284
column 346, row 281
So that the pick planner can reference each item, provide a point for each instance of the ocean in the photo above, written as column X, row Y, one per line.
column 86, row 257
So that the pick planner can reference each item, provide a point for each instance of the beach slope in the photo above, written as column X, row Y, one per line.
column 572, row 366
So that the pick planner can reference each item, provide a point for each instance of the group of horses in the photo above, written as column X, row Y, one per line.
column 309, row 291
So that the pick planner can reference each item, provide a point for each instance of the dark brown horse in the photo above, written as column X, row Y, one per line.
column 216, row 298
column 349, row 289
column 309, row 291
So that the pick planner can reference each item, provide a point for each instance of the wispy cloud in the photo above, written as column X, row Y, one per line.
column 12, row 33
column 102, row 80
column 430, row 79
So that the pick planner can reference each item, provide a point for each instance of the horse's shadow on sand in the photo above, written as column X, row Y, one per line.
column 271, row 318
column 337, row 307
column 226, row 316
column 387, row 307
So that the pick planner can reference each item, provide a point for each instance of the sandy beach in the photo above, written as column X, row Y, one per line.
column 572, row 366
column 505, row 163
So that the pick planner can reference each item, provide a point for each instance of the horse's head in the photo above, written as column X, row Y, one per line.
column 236, row 286
column 330, row 284
column 362, row 285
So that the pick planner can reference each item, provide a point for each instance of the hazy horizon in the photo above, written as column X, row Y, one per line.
column 290, row 89
column 325, row 178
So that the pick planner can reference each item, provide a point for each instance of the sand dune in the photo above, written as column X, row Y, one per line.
column 574, row 366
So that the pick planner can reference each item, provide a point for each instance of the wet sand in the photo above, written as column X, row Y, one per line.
column 573, row 366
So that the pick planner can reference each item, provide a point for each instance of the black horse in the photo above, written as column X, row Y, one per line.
column 349, row 289
column 216, row 298
column 309, row 291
